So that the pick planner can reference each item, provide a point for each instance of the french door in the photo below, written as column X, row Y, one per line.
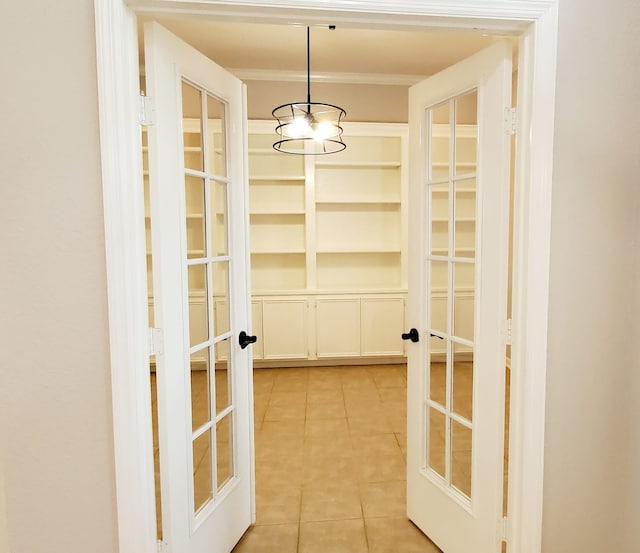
column 458, row 221
column 198, row 198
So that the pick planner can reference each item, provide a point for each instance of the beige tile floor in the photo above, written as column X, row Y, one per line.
column 330, row 447
column 330, row 462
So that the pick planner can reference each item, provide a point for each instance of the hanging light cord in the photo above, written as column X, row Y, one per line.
column 308, row 72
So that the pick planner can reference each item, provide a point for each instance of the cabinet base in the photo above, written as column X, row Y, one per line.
column 288, row 363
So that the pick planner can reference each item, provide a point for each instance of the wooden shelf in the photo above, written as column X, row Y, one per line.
column 368, row 203
column 276, row 213
column 277, row 252
column 277, row 178
column 359, row 251
column 360, row 164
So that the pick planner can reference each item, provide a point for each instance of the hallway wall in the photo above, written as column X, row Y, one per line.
column 591, row 486
column 55, row 390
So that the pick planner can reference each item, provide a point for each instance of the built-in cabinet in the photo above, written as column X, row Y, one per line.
column 329, row 245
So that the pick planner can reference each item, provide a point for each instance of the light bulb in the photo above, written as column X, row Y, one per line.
column 324, row 130
column 298, row 128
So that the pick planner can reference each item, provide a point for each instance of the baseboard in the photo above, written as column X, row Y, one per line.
column 341, row 361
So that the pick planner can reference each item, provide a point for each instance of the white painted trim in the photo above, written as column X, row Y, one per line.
column 333, row 78
column 116, row 50
column 506, row 16
column 117, row 65
column 532, row 232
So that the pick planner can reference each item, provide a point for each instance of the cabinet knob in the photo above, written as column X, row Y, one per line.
column 244, row 339
column 411, row 335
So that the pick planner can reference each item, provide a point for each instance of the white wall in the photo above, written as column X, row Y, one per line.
column 592, row 466
column 57, row 457
column 374, row 103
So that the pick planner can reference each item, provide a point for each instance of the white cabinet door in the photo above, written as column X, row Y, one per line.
column 382, row 324
column 198, row 196
column 458, row 221
column 338, row 327
column 284, row 326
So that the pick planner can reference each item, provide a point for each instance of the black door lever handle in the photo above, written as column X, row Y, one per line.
column 244, row 339
column 411, row 335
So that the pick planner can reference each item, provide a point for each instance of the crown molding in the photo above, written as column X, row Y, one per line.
column 328, row 77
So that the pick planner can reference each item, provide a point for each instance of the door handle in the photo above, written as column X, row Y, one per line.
column 411, row 335
column 244, row 339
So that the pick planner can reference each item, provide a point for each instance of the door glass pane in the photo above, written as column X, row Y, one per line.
column 466, row 132
column 436, row 441
column 465, row 217
column 192, row 127
column 438, row 377
column 224, row 451
column 439, row 213
column 202, row 473
column 223, row 381
column 462, row 380
column 463, row 300
column 218, row 218
column 439, row 291
column 221, row 296
column 440, row 119
column 217, row 145
column 200, row 402
column 461, row 457
column 194, row 199
column 198, row 311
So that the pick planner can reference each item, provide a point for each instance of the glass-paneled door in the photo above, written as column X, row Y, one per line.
column 459, row 190
column 201, row 296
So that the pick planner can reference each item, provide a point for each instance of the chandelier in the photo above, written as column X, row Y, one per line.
column 309, row 128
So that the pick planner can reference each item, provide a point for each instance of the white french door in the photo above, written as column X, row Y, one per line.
column 198, row 198
column 458, row 221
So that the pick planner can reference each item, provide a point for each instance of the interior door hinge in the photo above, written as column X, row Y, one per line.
column 163, row 547
column 507, row 331
column 146, row 111
column 510, row 120
column 156, row 341
column 502, row 529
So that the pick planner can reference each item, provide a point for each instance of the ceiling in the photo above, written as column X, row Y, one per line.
column 267, row 51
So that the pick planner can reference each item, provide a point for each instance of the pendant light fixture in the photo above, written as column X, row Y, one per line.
column 309, row 128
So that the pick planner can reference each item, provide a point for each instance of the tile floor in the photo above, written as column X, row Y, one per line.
column 330, row 462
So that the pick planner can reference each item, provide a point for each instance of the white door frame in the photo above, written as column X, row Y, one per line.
column 118, row 84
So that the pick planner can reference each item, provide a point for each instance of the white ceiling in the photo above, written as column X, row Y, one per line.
column 385, row 56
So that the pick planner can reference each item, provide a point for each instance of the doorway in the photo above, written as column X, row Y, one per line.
column 353, row 402
column 545, row 22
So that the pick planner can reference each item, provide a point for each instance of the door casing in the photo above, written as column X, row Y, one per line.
column 119, row 109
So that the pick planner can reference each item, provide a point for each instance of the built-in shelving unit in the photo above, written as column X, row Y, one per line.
column 328, row 239
column 328, row 245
